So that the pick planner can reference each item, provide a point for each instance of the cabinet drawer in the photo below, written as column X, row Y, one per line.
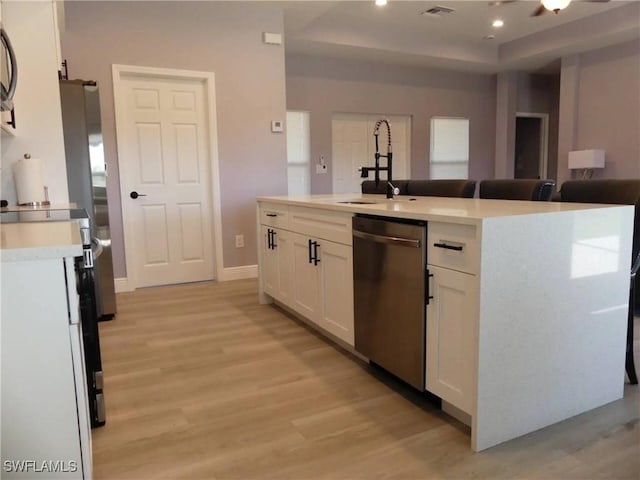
column 453, row 246
column 325, row 224
column 274, row 215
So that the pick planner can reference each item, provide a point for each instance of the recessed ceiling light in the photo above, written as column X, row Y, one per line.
column 488, row 37
column 381, row 3
column 497, row 23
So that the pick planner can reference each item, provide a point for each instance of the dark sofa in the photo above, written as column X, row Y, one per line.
column 425, row 188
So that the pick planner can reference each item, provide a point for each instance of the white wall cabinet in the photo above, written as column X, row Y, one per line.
column 31, row 28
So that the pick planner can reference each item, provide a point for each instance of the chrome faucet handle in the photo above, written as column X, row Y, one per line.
column 392, row 189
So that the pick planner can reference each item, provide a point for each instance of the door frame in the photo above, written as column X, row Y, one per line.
column 208, row 78
column 544, row 140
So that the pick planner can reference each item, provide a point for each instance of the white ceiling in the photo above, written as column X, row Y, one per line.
column 398, row 34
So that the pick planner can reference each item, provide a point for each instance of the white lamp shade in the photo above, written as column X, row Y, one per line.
column 556, row 4
column 586, row 159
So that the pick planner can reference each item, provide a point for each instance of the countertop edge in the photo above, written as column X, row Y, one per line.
column 445, row 209
column 53, row 240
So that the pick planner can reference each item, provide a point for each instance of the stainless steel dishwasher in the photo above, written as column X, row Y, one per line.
column 390, row 292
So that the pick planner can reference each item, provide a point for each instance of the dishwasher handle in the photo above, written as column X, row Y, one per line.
column 404, row 242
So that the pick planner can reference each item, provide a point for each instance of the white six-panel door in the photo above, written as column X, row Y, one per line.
column 353, row 146
column 165, row 155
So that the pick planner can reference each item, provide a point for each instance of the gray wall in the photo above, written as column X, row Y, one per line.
column 600, row 99
column 505, row 131
column 218, row 37
column 324, row 86
column 541, row 94
column 609, row 107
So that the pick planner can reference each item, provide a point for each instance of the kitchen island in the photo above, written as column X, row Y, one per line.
column 528, row 321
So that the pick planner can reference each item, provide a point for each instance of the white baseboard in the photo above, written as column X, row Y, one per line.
column 239, row 273
column 122, row 285
column 231, row 273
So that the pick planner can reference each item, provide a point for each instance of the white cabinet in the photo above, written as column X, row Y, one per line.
column 336, row 280
column 323, row 290
column 310, row 268
column 274, row 215
column 451, row 318
column 325, row 224
column 58, row 26
column 453, row 246
column 277, row 263
column 452, row 313
column 306, row 285
column 45, row 415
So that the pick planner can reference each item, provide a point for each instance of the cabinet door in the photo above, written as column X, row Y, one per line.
column 451, row 330
column 277, row 264
column 336, row 309
column 41, row 414
column 306, row 279
column 283, row 250
column 269, row 265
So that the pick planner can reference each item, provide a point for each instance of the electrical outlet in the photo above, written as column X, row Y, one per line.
column 239, row 241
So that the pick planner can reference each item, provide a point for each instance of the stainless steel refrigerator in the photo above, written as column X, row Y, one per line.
column 87, row 178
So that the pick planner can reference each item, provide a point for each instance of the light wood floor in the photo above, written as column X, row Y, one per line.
column 203, row 382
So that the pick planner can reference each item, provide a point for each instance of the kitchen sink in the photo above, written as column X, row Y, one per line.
column 357, row 202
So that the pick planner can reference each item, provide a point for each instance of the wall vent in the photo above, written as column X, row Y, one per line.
column 437, row 11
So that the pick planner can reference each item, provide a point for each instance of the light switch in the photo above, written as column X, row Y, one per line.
column 321, row 168
column 276, row 126
column 272, row 38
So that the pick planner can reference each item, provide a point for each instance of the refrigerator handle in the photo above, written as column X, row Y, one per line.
column 97, row 247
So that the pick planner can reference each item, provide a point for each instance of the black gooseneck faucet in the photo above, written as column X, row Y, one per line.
column 391, row 190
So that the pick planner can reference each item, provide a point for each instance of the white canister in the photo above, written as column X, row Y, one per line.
column 27, row 173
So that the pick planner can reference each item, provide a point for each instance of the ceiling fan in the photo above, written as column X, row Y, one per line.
column 546, row 5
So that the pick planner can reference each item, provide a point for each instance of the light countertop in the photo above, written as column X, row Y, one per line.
column 455, row 210
column 39, row 240
column 38, row 208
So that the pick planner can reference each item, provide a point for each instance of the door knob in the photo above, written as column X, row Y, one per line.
column 135, row 195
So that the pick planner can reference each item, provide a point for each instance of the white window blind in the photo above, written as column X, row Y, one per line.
column 298, row 153
column 449, row 156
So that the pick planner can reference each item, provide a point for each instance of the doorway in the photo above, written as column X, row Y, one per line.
column 353, row 146
column 531, row 145
column 167, row 157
